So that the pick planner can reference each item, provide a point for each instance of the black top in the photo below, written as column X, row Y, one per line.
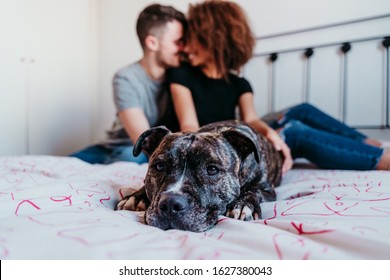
column 214, row 99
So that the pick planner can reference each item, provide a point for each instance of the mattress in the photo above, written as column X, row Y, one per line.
column 63, row 208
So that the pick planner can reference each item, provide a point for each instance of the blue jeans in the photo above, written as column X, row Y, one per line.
column 323, row 140
column 108, row 154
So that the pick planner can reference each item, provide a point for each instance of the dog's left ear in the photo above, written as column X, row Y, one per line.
column 149, row 140
column 243, row 143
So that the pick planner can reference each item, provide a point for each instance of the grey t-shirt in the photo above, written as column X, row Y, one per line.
column 134, row 89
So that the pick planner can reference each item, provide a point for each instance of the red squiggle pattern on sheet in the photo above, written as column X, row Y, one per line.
column 67, row 208
column 26, row 202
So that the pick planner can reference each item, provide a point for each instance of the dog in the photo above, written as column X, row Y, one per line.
column 225, row 168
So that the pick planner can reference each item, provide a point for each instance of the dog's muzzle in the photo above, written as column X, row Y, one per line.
column 171, row 205
column 179, row 211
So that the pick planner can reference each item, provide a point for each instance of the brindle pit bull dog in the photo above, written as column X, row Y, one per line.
column 225, row 168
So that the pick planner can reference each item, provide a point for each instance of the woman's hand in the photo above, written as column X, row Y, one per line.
column 270, row 134
column 280, row 145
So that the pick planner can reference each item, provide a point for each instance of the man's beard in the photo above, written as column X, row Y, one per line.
column 168, row 64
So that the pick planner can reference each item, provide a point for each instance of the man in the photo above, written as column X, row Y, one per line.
column 138, row 88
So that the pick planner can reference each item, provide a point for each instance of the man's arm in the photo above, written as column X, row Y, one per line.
column 134, row 121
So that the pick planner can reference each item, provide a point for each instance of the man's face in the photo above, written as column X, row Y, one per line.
column 170, row 44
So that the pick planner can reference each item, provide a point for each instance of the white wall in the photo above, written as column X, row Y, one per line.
column 119, row 46
column 47, row 73
column 276, row 16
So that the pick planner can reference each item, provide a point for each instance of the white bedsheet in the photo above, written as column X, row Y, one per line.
column 62, row 208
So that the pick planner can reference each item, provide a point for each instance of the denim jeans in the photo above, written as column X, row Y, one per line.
column 109, row 154
column 323, row 140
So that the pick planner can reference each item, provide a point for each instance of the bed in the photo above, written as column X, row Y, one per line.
column 63, row 208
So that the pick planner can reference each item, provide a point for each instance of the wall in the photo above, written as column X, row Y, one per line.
column 47, row 75
column 277, row 16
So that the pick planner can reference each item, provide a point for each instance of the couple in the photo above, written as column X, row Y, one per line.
column 218, row 41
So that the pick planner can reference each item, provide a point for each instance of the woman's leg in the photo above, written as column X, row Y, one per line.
column 331, row 151
column 313, row 117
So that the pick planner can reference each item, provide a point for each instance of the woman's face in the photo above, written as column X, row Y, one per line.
column 197, row 54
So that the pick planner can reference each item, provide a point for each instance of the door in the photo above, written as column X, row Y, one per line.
column 13, row 76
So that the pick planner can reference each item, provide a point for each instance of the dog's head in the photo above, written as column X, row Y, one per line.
column 192, row 177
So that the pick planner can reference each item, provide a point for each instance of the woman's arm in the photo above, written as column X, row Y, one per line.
column 248, row 115
column 184, row 107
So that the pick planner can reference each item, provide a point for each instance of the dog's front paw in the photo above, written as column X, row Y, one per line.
column 136, row 201
column 244, row 211
column 130, row 203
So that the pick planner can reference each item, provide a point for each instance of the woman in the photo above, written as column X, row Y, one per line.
column 219, row 43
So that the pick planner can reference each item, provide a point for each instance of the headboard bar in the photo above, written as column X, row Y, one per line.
column 386, row 39
column 290, row 64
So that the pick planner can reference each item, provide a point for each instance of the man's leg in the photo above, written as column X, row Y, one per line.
column 93, row 154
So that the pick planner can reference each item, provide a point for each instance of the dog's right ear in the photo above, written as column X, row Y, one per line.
column 149, row 140
column 242, row 142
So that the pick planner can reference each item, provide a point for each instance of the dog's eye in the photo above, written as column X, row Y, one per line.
column 159, row 166
column 212, row 170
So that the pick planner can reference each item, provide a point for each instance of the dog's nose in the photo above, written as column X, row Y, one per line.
column 171, row 204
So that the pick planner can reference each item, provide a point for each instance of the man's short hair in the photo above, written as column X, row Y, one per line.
column 154, row 18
